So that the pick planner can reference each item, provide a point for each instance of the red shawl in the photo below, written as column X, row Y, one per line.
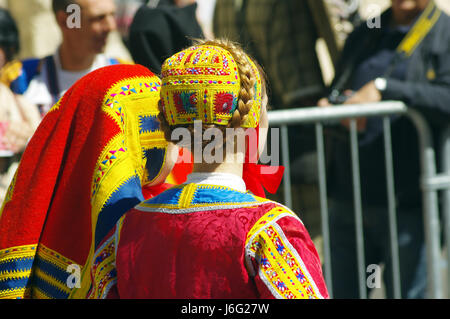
column 83, row 168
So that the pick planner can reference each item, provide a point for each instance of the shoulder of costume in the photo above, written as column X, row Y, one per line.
column 271, row 253
column 200, row 197
column 271, row 217
column 28, row 69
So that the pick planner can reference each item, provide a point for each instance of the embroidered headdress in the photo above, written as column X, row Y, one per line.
column 203, row 83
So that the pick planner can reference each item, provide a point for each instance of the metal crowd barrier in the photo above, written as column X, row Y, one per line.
column 431, row 182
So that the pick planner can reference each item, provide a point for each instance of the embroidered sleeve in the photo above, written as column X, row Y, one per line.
column 103, row 268
column 282, row 258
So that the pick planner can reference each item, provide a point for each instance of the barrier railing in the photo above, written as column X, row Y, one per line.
column 431, row 183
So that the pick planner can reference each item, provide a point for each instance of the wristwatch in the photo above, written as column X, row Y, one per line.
column 380, row 84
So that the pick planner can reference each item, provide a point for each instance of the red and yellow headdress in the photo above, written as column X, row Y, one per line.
column 203, row 83
column 84, row 167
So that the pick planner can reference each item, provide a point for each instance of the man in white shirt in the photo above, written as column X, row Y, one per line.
column 85, row 26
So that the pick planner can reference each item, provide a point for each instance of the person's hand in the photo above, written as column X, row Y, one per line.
column 367, row 94
column 323, row 102
column 360, row 123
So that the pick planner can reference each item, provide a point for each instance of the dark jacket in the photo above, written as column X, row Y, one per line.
column 425, row 87
column 158, row 33
column 281, row 35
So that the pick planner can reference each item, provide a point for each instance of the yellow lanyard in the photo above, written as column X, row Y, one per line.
column 420, row 29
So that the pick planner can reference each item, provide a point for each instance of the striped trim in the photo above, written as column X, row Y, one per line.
column 49, row 286
column 15, row 270
column 190, row 198
column 176, row 211
column 269, row 218
column 118, row 231
column 187, row 195
column 39, row 294
column 280, row 266
column 50, row 274
column 200, row 195
column 103, row 268
column 19, row 293
column 17, row 252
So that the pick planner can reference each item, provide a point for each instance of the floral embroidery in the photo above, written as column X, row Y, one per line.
column 281, row 268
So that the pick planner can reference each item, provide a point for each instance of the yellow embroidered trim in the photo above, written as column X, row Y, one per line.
column 187, row 195
column 112, row 103
column 102, row 269
column 15, row 293
column 267, row 218
column 212, row 205
column 155, row 138
column 14, row 275
column 119, row 226
column 57, row 260
column 105, row 164
column 12, row 254
column 137, row 93
column 102, row 277
column 39, row 294
column 52, row 280
column 54, row 257
column 55, row 107
column 18, row 252
column 279, row 268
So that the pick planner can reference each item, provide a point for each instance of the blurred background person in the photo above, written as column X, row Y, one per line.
column 160, row 29
column 89, row 161
column 126, row 10
column 18, row 118
column 405, row 58
column 283, row 35
column 39, row 33
column 44, row 81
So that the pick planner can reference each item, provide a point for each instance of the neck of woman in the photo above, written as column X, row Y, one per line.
column 232, row 164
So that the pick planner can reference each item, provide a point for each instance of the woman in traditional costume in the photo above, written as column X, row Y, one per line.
column 96, row 154
column 210, row 237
